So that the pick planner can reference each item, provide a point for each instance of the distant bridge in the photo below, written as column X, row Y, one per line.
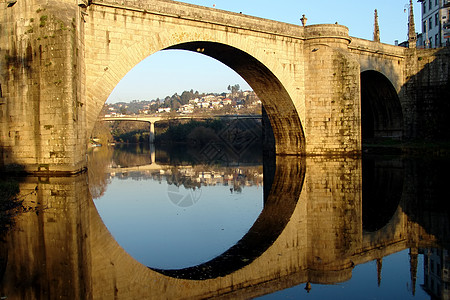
column 153, row 119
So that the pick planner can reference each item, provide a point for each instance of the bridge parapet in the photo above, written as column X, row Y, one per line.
column 204, row 14
column 330, row 34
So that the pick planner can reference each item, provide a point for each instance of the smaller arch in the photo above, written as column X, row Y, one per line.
column 381, row 112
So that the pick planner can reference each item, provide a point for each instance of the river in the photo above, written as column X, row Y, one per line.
column 184, row 223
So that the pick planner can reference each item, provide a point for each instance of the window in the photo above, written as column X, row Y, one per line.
column 430, row 4
column 430, row 23
column 436, row 2
column 436, row 19
column 424, row 7
column 436, row 40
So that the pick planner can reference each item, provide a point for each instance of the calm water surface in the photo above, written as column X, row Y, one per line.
column 173, row 224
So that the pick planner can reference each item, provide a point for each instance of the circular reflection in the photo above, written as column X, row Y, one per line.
column 163, row 223
column 208, row 239
column 279, row 205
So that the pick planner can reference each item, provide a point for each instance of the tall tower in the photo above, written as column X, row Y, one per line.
column 376, row 29
column 412, row 38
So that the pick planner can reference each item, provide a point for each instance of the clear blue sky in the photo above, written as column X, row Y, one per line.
column 168, row 72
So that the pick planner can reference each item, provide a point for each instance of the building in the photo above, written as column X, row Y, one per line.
column 164, row 109
column 436, row 266
column 435, row 24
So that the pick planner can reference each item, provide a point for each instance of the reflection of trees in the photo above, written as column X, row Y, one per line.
column 102, row 132
column 237, row 178
column 9, row 204
column 131, row 155
column 98, row 161
column 184, row 171
column 179, row 179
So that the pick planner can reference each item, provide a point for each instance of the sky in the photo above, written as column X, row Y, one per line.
column 168, row 72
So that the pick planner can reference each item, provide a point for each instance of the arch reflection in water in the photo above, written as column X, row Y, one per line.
column 65, row 251
column 279, row 205
column 169, row 218
column 166, row 219
column 382, row 189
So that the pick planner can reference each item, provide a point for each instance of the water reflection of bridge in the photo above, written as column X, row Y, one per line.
column 312, row 229
column 153, row 119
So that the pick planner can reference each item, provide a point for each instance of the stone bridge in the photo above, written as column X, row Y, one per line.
column 322, row 89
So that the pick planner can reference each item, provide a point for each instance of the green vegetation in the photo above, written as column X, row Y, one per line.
column 241, row 103
column 192, row 132
column 43, row 20
column 126, row 132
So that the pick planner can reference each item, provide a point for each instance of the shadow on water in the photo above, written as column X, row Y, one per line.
column 382, row 184
column 416, row 185
column 426, row 196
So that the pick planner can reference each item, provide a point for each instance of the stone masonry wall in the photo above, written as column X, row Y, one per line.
column 41, row 112
column 333, row 122
column 426, row 94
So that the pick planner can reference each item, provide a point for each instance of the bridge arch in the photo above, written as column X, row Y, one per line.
column 381, row 112
column 254, row 64
column 286, row 125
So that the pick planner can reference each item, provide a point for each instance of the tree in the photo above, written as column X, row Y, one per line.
column 234, row 89
column 123, row 110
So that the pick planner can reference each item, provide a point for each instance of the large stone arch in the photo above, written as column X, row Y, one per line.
column 381, row 112
column 263, row 72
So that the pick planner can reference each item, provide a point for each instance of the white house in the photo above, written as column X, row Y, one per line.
column 227, row 101
column 164, row 109
column 186, row 109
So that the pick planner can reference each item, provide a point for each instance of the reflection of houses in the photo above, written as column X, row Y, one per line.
column 249, row 176
column 436, row 267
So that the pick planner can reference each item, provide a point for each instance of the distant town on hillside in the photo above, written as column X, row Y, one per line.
column 190, row 102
